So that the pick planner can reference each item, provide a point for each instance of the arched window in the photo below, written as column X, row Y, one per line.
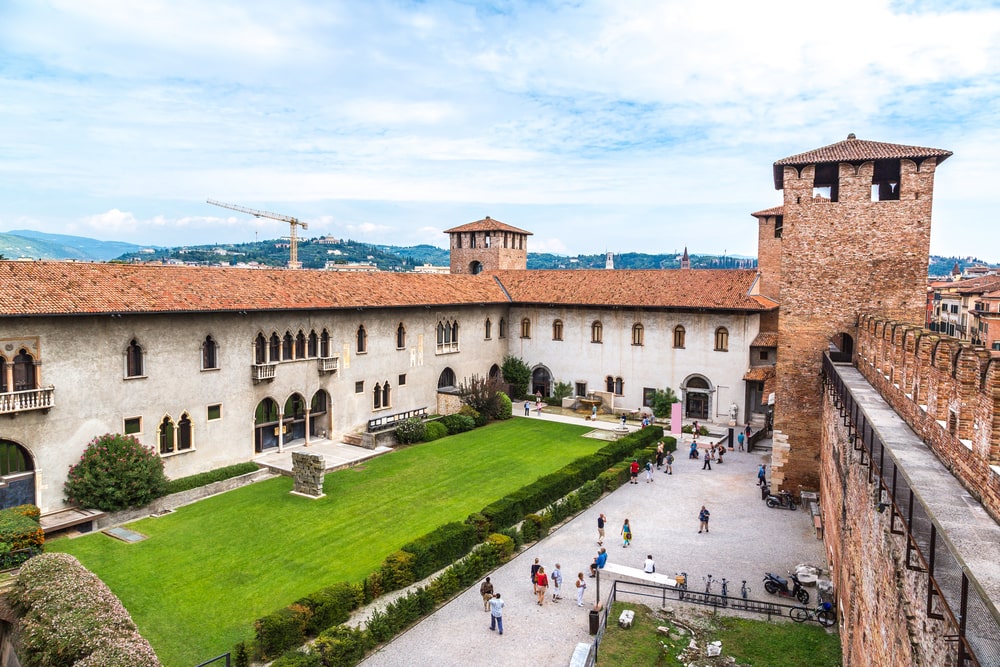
column 274, row 348
column 488, row 329
column 400, row 336
column 596, row 332
column 209, row 354
column 362, row 339
column 13, row 459
column 133, row 361
column 166, row 435
column 300, row 345
column 638, row 334
column 313, row 349
column 376, row 396
column 454, row 332
column 288, row 346
column 503, row 328
column 722, row 339
column 184, row 433
column 678, row 336
column 447, row 379
column 609, row 384
column 3, row 376
column 525, row 328
column 386, row 392
column 24, row 371
column 619, row 387
column 324, row 344
column 260, row 349
column 447, row 337
column 557, row 330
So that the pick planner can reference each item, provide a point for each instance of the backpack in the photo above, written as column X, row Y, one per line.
column 670, row 459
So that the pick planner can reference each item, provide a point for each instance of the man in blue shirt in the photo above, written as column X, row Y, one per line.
column 599, row 561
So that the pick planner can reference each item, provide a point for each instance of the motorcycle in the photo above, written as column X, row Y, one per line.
column 774, row 584
column 782, row 499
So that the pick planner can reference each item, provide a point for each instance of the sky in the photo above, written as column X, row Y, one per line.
column 618, row 125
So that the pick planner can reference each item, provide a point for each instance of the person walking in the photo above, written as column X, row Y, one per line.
column 761, row 475
column 486, row 590
column 527, row 409
column 541, row 585
column 721, row 452
column 557, row 580
column 669, row 463
column 633, row 471
column 649, row 472
column 659, row 455
column 707, row 465
column 534, row 573
column 626, row 534
column 600, row 528
column 599, row 560
column 746, row 431
column 496, row 613
column 623, row 420
column 740, row 438
column 703, row 517
column 581, row 586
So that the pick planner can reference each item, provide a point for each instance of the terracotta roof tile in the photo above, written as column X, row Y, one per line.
column 765, row 339
column 759, row 373
column 856, row 150
column 487, row 224
column 767, row 212
column 976, row 285
column 68, row 288
column 672, row 288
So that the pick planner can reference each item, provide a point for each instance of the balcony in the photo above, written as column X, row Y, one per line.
column 263, row 372
column 22, row 401
column 328, row 364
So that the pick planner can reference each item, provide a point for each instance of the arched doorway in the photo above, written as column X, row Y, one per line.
column 842, row 347
column 697, row 397
column 294, row 418
column 496, row 373
column 319, row 415
column 447, row 381
column 265, row 423
column 541, row 381
column 475, row 267
column 17, row 473
column 24, row 372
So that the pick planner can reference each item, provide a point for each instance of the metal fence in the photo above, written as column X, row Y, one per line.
column 950, row 595
column 217, row 661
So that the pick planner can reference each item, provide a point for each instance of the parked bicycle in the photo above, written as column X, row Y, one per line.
column 823, row 614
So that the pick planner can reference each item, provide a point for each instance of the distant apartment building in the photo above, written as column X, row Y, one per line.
column 954, row 305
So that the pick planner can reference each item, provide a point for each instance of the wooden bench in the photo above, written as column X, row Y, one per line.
column 818, row 524
column 69, row 518
column 636, row 573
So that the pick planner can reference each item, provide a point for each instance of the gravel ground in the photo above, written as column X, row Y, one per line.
column 746, row 540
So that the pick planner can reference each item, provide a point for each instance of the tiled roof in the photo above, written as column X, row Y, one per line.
column 68, row 288
column 977, row 285
column 759, row 373
column 856, row 150
column 768, row 212
column 674, row 288
column 487, row 224
column 765, row 339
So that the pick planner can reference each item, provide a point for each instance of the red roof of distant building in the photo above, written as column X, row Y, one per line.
column 487, row 224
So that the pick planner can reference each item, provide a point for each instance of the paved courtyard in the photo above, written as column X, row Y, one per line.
column 746, row 539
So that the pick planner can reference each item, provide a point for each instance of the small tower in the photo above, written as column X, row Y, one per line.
column 487, row 245
column 609, row 261
column 685, row 260
column 852, row 235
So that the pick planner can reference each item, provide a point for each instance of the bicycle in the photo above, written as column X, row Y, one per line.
column 744, row 590
column 823, row 614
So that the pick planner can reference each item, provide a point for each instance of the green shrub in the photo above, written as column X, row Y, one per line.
column 397, row 570
column 115, row 472
column 332, row 605
column 534, row 527
column 434, row 431
column 440, row 547
column 19, row 531
column 458, row 423
column 372, row 586
column 279, row 631
column 480, row 524
column 342, row 646
column 206, row 478
column 30, row 511
column 69, row 617
column 242, row 653
column 506, row 408
column 502, row 545
column 297, row 658
column 514, row 535
column 478, row 418
column 517, row 374
column 689, row 428
column 410, row 431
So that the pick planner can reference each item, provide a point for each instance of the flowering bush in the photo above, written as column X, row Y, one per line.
column 69, row 617
column 115, row 472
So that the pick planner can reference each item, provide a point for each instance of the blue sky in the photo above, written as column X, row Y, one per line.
column 623, row 126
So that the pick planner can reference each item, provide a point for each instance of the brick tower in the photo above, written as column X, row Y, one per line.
column 852, row 235
column 487, row 245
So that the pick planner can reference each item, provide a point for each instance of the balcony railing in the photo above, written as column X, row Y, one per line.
column 263, row 372
column 29, row 399
column 328, row 364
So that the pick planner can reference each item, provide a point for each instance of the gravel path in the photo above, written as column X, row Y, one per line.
column 746, row 539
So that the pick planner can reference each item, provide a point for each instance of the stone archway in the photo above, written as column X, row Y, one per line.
column 541, row 381
column 265, row 425
column 17, row 475
column 320, row 415
column 697, row 391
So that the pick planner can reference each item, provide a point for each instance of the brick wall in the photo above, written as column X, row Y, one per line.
column 494, row 258
column 947, row 390
column 768, row 257
column 838, row 259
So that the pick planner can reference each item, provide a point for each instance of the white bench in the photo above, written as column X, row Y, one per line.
column 636, row 573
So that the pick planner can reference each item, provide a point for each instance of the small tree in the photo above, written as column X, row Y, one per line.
column 662, row 400
column 561, row 390
column 482, row 394
column 115, row 472
column 517, row 374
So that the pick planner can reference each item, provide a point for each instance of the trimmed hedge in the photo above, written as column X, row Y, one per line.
column 434, row 431
column 69, row 617
column 440, row 547
column 458, row 423
column 206, row 478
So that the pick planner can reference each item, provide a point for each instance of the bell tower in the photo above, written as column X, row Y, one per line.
column 852, row 235
column 487, row 245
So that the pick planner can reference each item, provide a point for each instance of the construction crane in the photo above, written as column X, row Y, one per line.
column 293, row 237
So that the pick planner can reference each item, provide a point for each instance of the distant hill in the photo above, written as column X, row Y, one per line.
column 19, row 243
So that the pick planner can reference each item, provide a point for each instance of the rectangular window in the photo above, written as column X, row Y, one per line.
column 764, row 355
column 133, row 425
column 359, row 386
column 401, row 380
column 648, row 396
column 215, row 412
column 581, row 388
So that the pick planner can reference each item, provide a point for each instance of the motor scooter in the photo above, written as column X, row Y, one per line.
column 774, row 584
column 781, row 499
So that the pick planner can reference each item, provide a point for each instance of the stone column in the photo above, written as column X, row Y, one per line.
column 307, row 471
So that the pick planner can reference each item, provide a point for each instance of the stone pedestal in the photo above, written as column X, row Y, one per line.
column 307, row 470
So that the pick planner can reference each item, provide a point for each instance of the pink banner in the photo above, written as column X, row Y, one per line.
column 675, row 419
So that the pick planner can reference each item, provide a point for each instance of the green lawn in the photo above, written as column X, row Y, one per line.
column 208, row 570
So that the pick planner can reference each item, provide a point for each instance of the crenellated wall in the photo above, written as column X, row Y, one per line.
column 946, row 390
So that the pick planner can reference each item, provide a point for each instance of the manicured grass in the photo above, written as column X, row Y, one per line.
column 755, row 643
column 210, row 569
